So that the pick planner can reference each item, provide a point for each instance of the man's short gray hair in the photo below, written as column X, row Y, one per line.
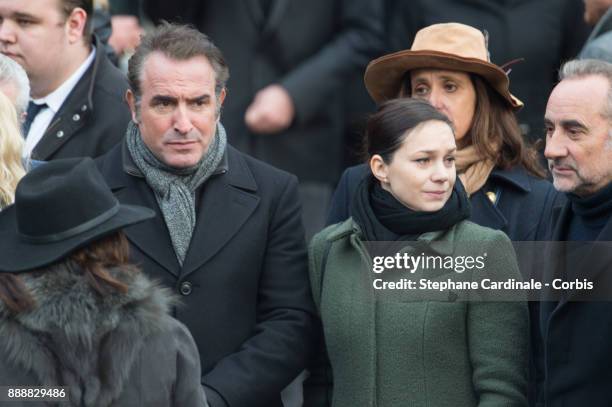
column 179, row 42
column 11, row 72
column 580, row 68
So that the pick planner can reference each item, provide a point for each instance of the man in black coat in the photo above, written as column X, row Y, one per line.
column 290, row 61
column 227, row 237
column 76, row 107
column 574, row 350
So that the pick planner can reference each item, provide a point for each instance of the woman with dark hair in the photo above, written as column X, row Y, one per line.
column 389, row 347
column 74, row 312
column 448, row 66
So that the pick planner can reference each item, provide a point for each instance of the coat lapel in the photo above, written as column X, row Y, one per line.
column 485, row 213
column 65, row 124
column 561, row 218
column 152, row 236
column 73, row 114
column 227, row 203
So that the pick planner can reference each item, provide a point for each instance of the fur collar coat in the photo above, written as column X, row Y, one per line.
column 101, row 348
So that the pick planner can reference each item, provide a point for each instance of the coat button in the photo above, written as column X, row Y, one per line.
column 76, row 117
column 83, row 108
column 185, row 288
column 59, row 134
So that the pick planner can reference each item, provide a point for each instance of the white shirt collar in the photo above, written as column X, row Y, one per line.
column 54, row 101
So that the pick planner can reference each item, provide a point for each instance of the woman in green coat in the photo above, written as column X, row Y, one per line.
column 411, row 347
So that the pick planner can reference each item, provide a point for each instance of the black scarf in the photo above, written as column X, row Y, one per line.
column 383, row 218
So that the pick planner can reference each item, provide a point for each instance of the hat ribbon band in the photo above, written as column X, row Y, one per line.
column 83, row 227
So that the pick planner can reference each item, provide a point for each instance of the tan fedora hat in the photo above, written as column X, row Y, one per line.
column 450, row 46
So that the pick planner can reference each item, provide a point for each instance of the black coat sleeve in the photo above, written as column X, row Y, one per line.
column 359, row 38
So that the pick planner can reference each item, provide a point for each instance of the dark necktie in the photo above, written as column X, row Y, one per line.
column 33, row 110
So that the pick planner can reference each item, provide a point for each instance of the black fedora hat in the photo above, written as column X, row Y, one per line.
column 59, row 207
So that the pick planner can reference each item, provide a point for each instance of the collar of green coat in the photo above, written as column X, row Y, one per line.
column 440, row 241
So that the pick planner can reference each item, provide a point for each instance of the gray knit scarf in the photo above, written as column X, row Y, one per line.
column 174, row 188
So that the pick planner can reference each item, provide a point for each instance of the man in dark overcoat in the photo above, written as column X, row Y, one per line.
column 227, row 237
column 76, row 105
column 575, row 325
column 290, row 63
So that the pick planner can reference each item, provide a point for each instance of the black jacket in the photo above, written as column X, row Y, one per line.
column 308, row 47
column 244, row 281
column 522, row 209
column 574, row 352
column 94, row 116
